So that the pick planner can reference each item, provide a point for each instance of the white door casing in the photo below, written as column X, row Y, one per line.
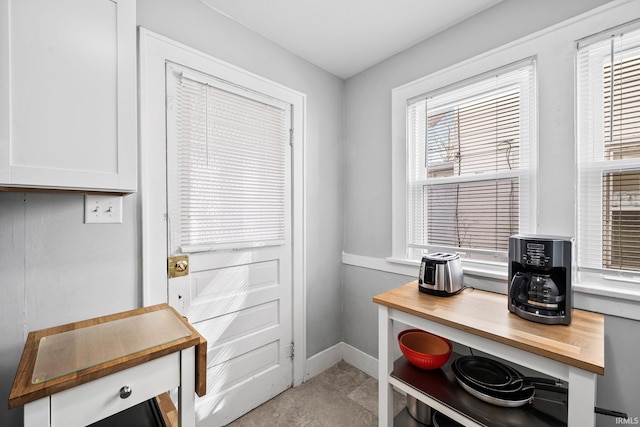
column 155, row 52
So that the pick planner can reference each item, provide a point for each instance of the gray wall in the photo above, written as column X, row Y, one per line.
column 368, row 108
column 54, row 269
column 192, row 23
column 368, row 221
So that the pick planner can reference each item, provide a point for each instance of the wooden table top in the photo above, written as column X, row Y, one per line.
column 24, row 390
column 485, row 314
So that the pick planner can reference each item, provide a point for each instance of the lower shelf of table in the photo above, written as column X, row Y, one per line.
column 441, row 386
column 145, row 414
column 404, row 419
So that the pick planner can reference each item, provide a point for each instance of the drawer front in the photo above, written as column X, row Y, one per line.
column 95, row 400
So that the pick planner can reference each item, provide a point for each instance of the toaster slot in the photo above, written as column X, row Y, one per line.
column 430, row 274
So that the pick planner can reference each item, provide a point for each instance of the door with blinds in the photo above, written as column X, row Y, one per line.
column 229, row 236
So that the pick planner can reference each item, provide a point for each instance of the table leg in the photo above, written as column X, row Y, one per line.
column 582, row 398
column 36, row 413
column 385, row 367
column 186, row 391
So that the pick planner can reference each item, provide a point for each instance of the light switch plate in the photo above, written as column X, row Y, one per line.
column 102, row 209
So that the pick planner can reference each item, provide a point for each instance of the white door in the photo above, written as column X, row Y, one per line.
column 241, row 292
column 229, row 212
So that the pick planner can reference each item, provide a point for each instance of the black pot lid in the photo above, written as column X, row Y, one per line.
column 501, row 390
column 486, row 372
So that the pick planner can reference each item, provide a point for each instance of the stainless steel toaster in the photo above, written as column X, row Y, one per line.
column 441, row 274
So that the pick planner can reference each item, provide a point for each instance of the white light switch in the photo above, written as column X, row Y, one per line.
column 99, row 209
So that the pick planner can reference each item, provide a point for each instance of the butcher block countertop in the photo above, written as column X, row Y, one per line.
column 485, row 314
column 62, row 357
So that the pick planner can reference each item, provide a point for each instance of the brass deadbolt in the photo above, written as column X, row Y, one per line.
column 178, row 266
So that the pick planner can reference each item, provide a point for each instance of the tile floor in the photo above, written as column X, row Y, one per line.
column 340, row 396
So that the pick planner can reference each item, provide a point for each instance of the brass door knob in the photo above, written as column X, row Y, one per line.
column 178, row 265
column 182, row 265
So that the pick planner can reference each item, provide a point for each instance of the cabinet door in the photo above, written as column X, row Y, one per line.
column 68, row 94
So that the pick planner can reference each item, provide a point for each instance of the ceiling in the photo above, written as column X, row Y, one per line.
column 345, row 37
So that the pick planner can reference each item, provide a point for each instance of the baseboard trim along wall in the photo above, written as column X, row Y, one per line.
column 322, row 361
column 361, row 360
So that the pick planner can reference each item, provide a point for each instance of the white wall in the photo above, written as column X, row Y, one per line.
column 368, row 166
column 54, row 269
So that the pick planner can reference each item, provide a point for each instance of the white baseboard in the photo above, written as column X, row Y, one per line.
column 360, row 359
column 322, row 361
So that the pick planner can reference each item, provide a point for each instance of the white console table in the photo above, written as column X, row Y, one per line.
column 481, row 320
column 83, row 372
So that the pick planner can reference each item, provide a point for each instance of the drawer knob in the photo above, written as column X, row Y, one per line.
column 125, row 392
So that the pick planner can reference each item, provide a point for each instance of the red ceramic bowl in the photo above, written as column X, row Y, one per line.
column 424, row 350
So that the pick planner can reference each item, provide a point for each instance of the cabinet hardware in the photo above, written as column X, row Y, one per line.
column 125, row 392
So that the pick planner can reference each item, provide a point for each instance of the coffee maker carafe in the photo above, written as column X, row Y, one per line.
column 540, row 278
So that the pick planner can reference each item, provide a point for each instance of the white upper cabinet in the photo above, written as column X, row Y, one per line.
column 68, row 95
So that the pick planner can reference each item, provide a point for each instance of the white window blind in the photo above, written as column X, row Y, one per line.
column 232, row 169
column 609, row 152
column 468, row 166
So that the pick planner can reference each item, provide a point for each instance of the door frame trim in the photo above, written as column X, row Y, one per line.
column 154, row 51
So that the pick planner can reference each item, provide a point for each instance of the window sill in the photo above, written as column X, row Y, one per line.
column 607, row 291
column 488, row 270
column 606, row 300
column 590, row 296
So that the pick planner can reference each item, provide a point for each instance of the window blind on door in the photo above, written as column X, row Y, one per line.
column 231, row 168
column 609, row 152
column 468, row 170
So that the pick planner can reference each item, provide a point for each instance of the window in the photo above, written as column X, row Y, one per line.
column 468, row 165
column 609, row 152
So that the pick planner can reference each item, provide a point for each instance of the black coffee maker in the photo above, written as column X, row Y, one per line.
column 540, row 278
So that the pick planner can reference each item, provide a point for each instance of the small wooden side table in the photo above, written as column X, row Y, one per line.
column 80, row 373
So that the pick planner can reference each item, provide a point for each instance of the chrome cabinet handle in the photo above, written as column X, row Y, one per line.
column 125, row 392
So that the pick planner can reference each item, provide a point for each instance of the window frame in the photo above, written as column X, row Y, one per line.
column 589, row 170
column 455, row 77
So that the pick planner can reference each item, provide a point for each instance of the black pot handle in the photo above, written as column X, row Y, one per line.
column 551, row 385
column 540, row 380
column 546, row 384
column 597, row 409
column 610, row 413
